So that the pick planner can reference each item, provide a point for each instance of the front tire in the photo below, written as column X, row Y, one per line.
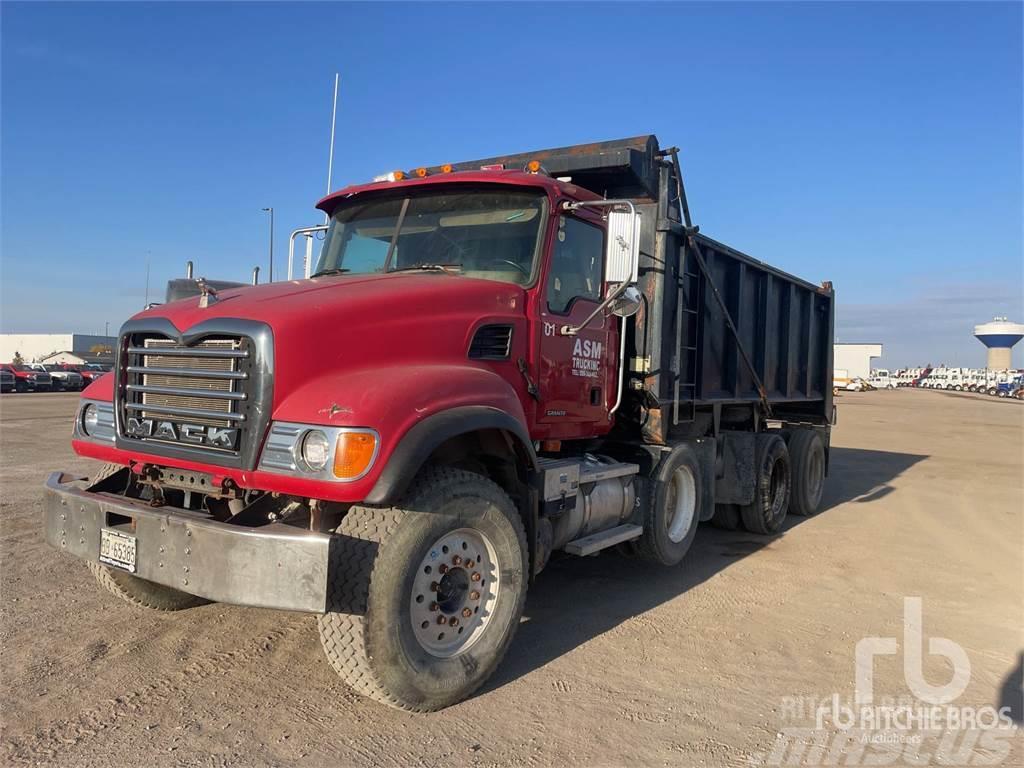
column 142, row 593
column 453, row 551
column 132, row 589
column 767, row 512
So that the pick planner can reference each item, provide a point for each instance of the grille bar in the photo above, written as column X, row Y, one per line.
column 196, row 372
column 212, row 394
column 199, row 413
column 187, row 352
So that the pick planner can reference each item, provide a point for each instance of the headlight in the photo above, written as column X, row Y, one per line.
column 90, row 419
column 335, row 454
column 315, row 450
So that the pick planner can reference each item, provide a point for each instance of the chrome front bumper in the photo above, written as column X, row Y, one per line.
column 274, row 566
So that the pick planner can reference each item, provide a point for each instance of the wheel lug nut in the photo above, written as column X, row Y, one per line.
column 442, row 620
column 475, row 576
column 466, row 613
column 469, row 563
column 453, row 622
column 434, row 606
column 434, row 586
column 456, row 560
column 474, row 595
column 442, row 568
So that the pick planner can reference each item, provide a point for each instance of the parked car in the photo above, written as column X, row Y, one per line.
column 879, row 381
column 88, row 372
column 62, row 379
column 6, row 380
column 26, row 378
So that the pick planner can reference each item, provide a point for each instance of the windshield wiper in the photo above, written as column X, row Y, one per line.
column 432, row 267
column 331, row 271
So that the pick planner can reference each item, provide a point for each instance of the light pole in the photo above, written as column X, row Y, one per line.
column 270, row 275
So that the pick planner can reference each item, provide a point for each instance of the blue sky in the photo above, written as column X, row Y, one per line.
column 874, row 145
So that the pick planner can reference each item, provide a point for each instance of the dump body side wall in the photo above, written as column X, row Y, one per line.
column 684, row 358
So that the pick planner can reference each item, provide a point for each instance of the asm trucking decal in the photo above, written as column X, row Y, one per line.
column 586, row 357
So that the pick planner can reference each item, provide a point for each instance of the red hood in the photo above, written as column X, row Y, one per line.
column 339, row 323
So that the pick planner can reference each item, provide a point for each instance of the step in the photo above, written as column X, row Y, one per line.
column 595, row 542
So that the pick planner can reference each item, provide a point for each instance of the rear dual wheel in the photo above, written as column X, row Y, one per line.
column 807, row 461
column 424, row 598
column 767, row 512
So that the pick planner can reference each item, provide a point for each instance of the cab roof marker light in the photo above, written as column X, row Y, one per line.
column 392, row 176
column 421, row 173
column 447, row 168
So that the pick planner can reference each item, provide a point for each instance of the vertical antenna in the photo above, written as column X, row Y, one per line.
column 330, row 158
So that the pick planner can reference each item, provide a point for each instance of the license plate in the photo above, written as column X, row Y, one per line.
column 117, row 549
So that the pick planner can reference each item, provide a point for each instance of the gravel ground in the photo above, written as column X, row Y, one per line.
column 615, row 663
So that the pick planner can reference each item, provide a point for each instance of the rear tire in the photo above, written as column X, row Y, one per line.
column 673, row 508
column 807, row 459
column 767, row 512
column 727, row 517
column 384, row 608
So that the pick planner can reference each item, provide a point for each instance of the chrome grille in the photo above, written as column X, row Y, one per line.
column 186, row 391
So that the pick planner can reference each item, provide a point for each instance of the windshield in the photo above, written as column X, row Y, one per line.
column 492, row 234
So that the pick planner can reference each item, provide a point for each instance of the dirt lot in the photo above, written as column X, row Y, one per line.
column 616, row 663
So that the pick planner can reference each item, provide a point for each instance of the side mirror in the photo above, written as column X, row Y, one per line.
column 627, row 303
column 622, row 258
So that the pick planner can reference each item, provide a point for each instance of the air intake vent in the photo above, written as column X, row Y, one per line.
column 491, row 342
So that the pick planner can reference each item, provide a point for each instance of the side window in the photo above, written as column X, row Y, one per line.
column 577, row 265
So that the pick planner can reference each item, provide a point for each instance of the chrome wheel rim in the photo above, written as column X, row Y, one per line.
column 454, row 592
column 682, row 503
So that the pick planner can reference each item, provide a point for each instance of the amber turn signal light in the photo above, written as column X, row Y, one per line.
column 533, row 166
column 353, row 454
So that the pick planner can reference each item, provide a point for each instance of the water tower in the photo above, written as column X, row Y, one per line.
column 999, row 336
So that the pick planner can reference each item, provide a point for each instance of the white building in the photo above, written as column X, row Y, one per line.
column 33, row 347
column 855, row 359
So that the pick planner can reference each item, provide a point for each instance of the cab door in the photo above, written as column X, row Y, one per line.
column 575, row 372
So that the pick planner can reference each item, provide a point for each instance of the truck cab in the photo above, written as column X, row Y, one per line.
column 489, row 362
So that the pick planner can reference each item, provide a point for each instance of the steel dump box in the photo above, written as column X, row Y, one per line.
column 696, row 357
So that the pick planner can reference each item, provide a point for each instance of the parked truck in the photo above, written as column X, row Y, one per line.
column 492, row 362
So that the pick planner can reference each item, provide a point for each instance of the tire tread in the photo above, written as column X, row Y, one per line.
column 343, row 629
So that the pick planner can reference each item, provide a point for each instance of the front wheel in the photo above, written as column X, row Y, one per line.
column 142, row 593
column 424, row 599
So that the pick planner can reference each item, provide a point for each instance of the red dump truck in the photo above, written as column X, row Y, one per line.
column 492, row 362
